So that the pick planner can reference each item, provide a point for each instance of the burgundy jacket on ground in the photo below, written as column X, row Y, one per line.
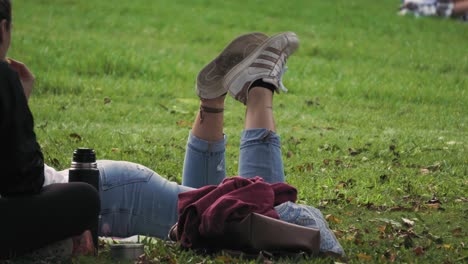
column 203, row 212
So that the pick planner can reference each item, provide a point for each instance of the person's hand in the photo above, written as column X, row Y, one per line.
column 25, row 75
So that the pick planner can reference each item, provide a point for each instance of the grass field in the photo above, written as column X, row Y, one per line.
column 374, row 128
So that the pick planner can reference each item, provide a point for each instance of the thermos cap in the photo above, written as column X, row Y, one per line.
column 84, row 155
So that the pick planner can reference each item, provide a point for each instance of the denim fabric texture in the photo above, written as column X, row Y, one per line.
column 204, row 162
column 260, row 155
column 136, row 200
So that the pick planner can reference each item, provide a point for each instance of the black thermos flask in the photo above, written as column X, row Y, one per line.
column 84, row 169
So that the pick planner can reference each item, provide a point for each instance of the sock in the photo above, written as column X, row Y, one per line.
column 261, row 83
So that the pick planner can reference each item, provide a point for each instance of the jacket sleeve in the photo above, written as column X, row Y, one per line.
column 21, row 159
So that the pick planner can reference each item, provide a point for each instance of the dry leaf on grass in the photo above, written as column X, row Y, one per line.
column 332, row 218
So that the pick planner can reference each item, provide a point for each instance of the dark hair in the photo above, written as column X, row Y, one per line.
column 5, row 13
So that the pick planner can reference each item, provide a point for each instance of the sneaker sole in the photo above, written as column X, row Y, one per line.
column 247, row 62
column 211, row 76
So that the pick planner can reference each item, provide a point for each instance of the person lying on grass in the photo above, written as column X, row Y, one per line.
column 136, row 200
column 441, row 8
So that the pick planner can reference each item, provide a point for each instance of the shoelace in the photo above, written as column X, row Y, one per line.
column 280, row 80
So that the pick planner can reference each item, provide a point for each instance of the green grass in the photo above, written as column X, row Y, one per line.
column 374, row 125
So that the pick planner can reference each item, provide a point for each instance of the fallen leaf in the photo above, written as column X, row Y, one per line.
column 340, row 185
column 407, row 222
column 354, row 152
column 424, row 171
column 75, row 136
column 305, row 167
column 382, row 228
column 433, row 206
column 390, row 222
column 116, row 150
column 457, row 231
column 332, row 218
column 338, row 232
column 461, row 200
column 184, row 123
column 418, row 251
column 364, row 257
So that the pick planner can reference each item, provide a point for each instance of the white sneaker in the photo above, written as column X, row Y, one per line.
column 267, row 62
column 210, row 79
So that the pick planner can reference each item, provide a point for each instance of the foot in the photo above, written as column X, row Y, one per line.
column 210, row 79
column 83, row 244
column 267, row 62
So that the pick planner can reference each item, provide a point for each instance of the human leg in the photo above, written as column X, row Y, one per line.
column 260, row 148
column 58, row 212
column 136, row 200
column 253, row 82
column 204, row 162
column 259, row 112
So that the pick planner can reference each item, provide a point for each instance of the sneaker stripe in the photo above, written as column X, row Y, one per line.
column 268, row 58
column 262, row 65
column 277, row 69
column 267, row 62
column 273, row 50
column 271, row 54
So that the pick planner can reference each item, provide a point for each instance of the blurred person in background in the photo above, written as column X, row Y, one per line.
column 442, row 8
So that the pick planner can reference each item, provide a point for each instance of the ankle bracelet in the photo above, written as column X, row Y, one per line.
column 206, row 109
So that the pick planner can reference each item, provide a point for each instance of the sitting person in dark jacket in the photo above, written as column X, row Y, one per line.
column 32, row 216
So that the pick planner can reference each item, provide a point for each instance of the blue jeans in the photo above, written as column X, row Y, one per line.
column 136, row 200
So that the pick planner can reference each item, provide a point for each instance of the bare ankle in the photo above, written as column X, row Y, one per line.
column 213, row 103
column 260, row 94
